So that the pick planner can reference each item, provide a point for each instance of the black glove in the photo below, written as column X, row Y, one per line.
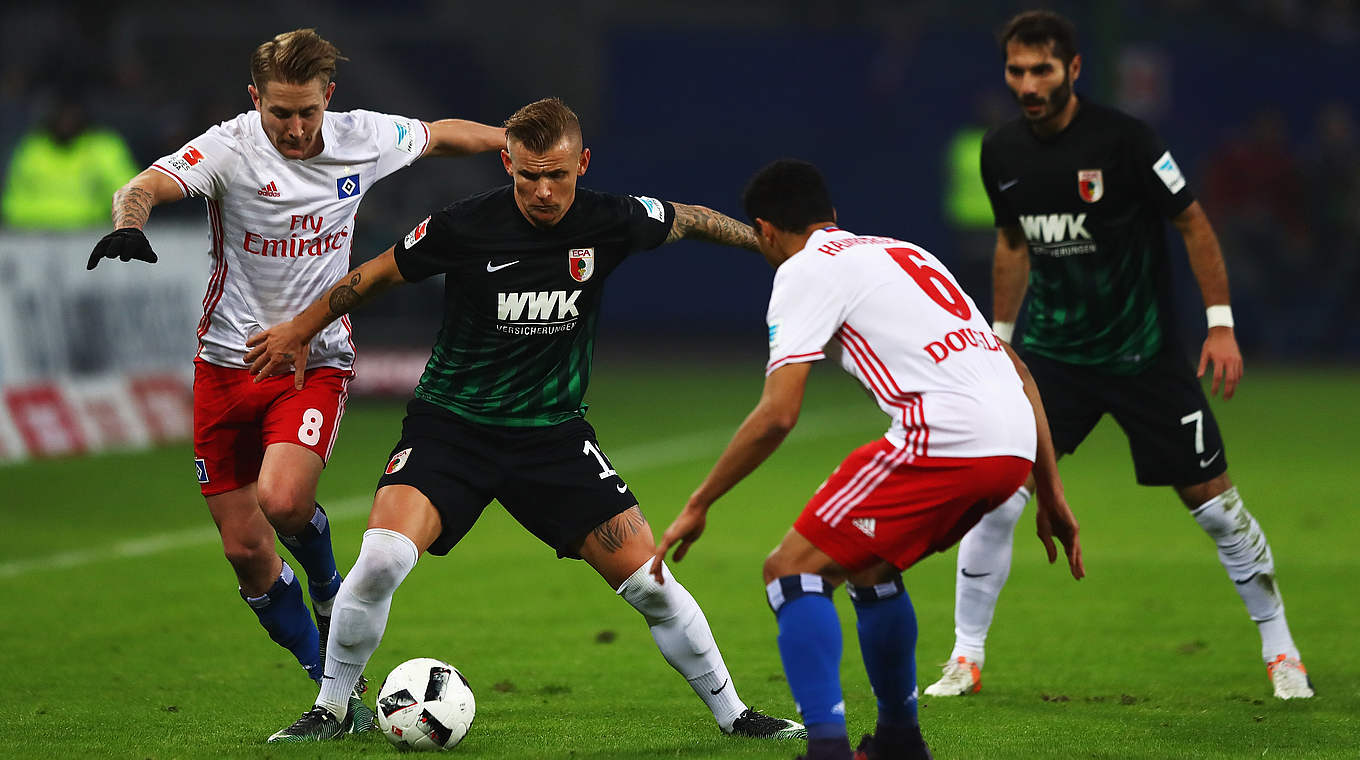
column 124, row 243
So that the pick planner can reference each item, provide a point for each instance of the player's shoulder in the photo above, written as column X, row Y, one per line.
column 1007, row 134
column 487, row 210
column 236, row 130
column 1106, row 119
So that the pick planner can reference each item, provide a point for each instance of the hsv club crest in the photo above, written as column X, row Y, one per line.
column 581, row 263
column 1090, row 184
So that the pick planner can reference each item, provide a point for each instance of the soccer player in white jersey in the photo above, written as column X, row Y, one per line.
column 967, row 428
column 282, row 184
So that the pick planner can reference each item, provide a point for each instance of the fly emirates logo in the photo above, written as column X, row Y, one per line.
column 304, row 239
column 542, row 312
column 1057, row 234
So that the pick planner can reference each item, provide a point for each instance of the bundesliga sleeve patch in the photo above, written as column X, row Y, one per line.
column 188, row 159
column 416, row 234
column 774, row 334
column 1169, row 173
column 655, row 208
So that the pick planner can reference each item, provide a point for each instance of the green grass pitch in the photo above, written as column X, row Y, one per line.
column 122, row 636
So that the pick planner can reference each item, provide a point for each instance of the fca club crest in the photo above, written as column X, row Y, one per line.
column 1090, row 184
column 581, row 262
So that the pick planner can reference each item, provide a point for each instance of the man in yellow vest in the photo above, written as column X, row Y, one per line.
column 63, row 172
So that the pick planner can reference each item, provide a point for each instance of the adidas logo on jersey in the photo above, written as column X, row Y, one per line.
column 270, row 190
column 866, row 525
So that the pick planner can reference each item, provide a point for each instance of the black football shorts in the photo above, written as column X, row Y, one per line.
column 1172, row 434
column 554, row 480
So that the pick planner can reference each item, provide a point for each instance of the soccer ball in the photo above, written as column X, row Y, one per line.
column 425, row 704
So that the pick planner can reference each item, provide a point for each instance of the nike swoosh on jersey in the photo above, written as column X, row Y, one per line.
column 490, row 268
column 1004, row 186
column 1206, row 462
column 967, row 574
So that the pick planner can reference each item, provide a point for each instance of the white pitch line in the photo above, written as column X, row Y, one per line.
column 646, row 456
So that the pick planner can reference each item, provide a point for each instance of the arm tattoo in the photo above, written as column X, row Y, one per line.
column 131, row 207
column 344, row 297
column 615, row 532
column 702, row 223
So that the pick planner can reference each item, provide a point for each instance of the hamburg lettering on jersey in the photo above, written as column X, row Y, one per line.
column 1057, row 234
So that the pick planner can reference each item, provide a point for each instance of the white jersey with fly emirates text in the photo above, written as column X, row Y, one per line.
column 910, row 335
column 281, row 229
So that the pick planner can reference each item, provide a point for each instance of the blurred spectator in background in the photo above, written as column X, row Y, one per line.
column 966, row 206
column 1331, row 172
column 64, row 170
column 1255, row 186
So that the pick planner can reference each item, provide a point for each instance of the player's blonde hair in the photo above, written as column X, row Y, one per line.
column 542, row 124
column 296, row 57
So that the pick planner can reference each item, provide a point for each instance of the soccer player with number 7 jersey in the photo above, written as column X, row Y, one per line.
column 967, row 427
column 1080, row 193
column 282, row 184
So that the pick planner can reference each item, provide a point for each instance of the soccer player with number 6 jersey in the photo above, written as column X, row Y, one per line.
column 1080, row 192
column 967, row 429
column 282, row 184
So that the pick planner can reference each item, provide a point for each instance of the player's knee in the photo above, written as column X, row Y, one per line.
column 249, row 557
column 385, row 559
column 656, row 602
column 287, row 508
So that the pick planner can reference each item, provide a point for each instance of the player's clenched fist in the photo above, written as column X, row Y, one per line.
column 126, row 244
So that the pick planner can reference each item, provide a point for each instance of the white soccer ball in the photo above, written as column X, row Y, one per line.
column 425, row 704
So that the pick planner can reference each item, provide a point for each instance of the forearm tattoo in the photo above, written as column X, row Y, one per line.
column 615, row 532
column 344, row 297
column 131, row 207
column 702, row 223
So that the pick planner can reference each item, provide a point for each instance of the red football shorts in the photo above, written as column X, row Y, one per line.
column 235, row 419
column 883, row 503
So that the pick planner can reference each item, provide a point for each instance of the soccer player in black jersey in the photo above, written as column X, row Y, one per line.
column 1079, row 192
column 498, row 413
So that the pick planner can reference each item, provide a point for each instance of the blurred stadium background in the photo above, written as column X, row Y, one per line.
column 681, row 100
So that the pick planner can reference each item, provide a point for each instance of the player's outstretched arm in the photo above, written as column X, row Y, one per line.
column 1010, row 278
column 273, row 351
column 1052, row 515
column 460, row 137
column 132, row 205
column 703, row 223
column 759, row 435
column 1206, row 261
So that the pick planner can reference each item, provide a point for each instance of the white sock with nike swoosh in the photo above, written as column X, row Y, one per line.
column 1246, row 556
column 984, row 564
column 682, row 634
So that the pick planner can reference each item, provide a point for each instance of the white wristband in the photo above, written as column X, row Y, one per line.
column 1003, row 330
column 1219, row 316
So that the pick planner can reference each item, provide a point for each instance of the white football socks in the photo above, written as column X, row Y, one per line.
column 682, row 634
column 359, row 616
column 984, row 564
column 1245, row 555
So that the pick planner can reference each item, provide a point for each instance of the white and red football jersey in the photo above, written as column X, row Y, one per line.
column 910, row 335
column 280, row 229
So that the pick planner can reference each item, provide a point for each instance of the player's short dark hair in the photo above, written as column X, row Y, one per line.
column 790, row 194
column 1039, row 28
column 542, row 124
column 296, row 57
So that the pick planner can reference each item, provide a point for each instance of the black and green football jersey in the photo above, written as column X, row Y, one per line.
column 1091, row 202
column 521, row 303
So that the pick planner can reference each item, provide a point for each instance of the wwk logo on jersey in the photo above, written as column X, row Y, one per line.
column 581, row 263
column 1054, row 228
column 1090, row 184
column 397, row 461
column 416, row 234
column 542, row 305
column 347, row 187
